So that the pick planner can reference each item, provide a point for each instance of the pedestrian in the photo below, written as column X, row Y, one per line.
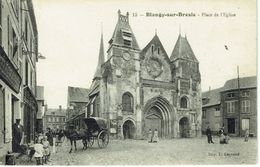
column 17, row 136
column 38, row 147
column 209, row 135
column 246, row 135
column 150, row 136
column 49, row 135
column 155, row 136
column 46, row 147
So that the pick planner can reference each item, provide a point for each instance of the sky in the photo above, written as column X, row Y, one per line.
column 70, row 30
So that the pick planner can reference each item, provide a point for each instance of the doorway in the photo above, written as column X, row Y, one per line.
column 231, row 125
column 128, row 130
column 184, row 127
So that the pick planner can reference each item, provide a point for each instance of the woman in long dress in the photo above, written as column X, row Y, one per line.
column 150, row 136
column 155, row 136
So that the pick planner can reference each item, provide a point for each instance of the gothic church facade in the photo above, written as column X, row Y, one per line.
column 137, row 90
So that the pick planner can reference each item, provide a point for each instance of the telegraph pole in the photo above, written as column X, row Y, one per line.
column 239, row 108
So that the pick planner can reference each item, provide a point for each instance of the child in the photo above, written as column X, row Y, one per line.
column 38, row 147
column 155, row 136
column 46, row 147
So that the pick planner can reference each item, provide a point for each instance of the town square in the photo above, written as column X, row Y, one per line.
column 124, row 83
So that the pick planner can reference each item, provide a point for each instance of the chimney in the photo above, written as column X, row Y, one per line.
column 60, row 107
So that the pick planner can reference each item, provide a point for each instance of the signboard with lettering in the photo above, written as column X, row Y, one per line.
column 8, row 72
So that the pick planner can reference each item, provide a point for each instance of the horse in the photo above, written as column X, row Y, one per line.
column 73, row 136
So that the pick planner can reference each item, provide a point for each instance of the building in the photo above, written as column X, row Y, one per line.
column 18, row 57
column 221, row 107
column 54, row 118
column 212, row 113
column 137, row 90
column 240, row 106
column 77, row 101
column 40, row 113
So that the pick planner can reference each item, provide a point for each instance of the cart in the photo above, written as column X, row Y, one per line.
column 97, row 130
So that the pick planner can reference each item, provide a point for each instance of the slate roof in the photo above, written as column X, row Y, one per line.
column 245, row 82
column 39, row 93
column 212, row 97
column 101, row 59
column 123, row 26
column 157, row 43
column 182, row 49
column 57, row 112
column 76, row 94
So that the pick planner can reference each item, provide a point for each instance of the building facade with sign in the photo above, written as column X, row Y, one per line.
column 141, row 89
column 18, row 56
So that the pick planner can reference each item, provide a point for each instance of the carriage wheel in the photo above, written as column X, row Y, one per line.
column 103, row 139
column 90, row 141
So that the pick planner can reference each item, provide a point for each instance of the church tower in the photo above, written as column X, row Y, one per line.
column 187, row 78
column 121, row 79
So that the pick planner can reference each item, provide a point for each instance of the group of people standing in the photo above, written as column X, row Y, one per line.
column 153, row 136
column 42, row 145
column 223, row 137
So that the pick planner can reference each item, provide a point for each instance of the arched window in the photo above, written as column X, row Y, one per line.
column 184, row 102
column 158, row 50
column 152, row 49
column 127, row 102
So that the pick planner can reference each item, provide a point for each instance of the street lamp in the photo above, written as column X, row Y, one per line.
column 39, row 55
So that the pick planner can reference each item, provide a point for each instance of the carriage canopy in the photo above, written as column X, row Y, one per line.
column 96, row 123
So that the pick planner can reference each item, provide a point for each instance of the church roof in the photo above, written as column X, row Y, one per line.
column 157, row 43
column 123, row 32
column 76, row 94
column 182, row 49
column 101, row 59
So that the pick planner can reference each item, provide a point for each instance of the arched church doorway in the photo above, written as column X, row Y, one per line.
column 157, row 116
column 128, row 129
column 153, row 120
column 184, row 127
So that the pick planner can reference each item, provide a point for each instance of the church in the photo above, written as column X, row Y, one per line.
column 140, row 89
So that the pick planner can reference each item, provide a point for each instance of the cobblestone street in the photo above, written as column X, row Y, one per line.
column 166, row 152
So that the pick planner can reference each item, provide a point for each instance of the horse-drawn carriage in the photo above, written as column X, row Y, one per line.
column 96, row 129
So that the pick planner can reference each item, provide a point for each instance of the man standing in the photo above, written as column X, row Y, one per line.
column 17, row 136
column 209, row 135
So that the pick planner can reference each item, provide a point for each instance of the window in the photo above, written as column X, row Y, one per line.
column 231, row 106
column 184, row 102
column 127, row 42
column 231, row 95
column 203, row 113
column 26, row 30
column 245, row 94
column 217, row 112
column 245, row 106
column 49, row 119
column 152, row 49
column 127, row 102
column 158, row 51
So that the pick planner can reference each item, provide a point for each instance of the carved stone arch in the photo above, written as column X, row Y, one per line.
column 162, row 110
column 129, row 128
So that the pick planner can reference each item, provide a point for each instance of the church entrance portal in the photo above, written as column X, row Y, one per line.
column 128, row 129
column 184, row 127
column 157, row 116
column 153, row 120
